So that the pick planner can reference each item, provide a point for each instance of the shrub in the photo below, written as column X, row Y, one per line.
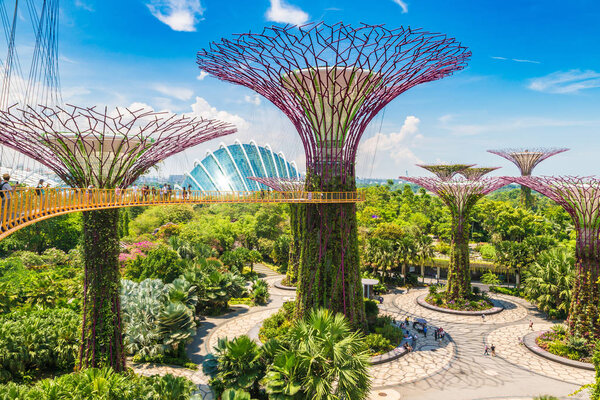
column 371, row 310
column 260, row 292
column 488, row 252
column 161, row 263
column 433, row 289
column 36, row 342
column 377, row 344
column 489, row 278
column 102, row 384
column 559, row 329
column 278, row 324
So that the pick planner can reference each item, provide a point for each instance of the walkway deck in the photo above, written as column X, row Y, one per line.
column 22, row 207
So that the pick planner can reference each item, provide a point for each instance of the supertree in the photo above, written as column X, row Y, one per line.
column 104, row 149
column 460, row 196
column 445, row 171
column 580, row 197
column 526, row 160
column 289, row 185
column 331, row 80
column 475, row 174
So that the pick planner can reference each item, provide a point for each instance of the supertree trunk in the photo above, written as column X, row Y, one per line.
column 101, row 336
column 294, row 258
column 583, row 315
column 329, row 260
column 526, row 197
column 459, row 276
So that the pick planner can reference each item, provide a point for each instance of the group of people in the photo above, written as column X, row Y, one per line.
column 410, row 339
column 7, row 193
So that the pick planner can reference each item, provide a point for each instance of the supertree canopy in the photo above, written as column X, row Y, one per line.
column 289, row 185
column 474, row 174
column 104, row 149
column 459, row 195
column 526, row 160
column 445, row 171
column 331, row 80
column 580, row 197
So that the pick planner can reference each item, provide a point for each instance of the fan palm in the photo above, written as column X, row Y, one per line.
column 550, row 279
column 333, row 360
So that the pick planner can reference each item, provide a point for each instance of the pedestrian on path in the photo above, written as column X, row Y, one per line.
column 436, row 334
column 483, row 317
column 493, row 348
column 530, row 325
column 486, row 350
column 425, row 331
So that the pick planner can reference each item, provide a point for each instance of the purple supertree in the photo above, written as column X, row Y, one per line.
column 580, row 197
column 104, row 149
column 460, row 196
column 445, row 171
column 289, row 185
column 526, row 160
column 474, row 174
column 331, row 80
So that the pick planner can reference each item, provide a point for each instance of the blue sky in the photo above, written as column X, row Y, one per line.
column 533, row 80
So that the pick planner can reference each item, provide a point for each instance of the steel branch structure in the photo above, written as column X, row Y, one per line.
column 296, row 187
column 474, row 174
column 460, row 195
column 526, row 160
column 88, row 148
column 331, row 81
column 580, row 197
column 107, row 149
column 445, row 171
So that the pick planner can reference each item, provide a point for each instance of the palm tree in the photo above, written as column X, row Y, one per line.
column 333, row 360
column 424, row 244
column 407, row 252
column 550, row 279
column 283, row 380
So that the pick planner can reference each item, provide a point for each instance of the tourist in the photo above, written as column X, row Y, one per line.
column 153, row 193
column 493, row 348
column 6, row 192
column 407, row 320
column 424, row 330
column 436, row 334
column 486, row 350
column 483, row 317
column 530, row 325
column 183, row 193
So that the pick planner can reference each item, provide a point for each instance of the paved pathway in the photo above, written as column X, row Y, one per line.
column 455, row 369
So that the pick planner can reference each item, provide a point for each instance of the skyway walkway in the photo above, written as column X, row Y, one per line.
column 25, row 206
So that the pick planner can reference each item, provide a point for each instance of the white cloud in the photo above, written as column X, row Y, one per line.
column 402, row 5
column 178, row 93
column 203, row 109
column 253, row 99
column 83, row 5
column 179, row 15
column 384, row 155
column 519, row 60
column 203, row 74
column 571, row 81
column 285, row 13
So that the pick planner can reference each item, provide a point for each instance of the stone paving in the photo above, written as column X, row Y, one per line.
column 507, row 344
column 455, row 369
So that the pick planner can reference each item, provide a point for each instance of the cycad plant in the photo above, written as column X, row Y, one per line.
column 549, row 281
column 176, row 325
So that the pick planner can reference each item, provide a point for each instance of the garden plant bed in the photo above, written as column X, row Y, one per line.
column 383, row 341
column 280, row 285
column 554, row 345
column 493, row 309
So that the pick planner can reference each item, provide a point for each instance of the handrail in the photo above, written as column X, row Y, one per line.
column 23, row 206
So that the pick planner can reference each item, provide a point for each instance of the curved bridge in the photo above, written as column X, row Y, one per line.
column 25, row 206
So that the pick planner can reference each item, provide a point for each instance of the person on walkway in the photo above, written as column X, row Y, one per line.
column 530, row 325
column 483, row 317
column 436, row 334
column 486, row 350
column 6, row 192
column 407, row 320
column 424, row 330
column 493, row 348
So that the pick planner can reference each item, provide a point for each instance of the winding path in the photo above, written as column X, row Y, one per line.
column 454, row 369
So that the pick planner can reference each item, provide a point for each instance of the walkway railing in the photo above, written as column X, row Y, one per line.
column 24, row 206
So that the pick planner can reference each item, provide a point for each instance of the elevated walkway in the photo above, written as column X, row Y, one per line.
column 25, row 206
